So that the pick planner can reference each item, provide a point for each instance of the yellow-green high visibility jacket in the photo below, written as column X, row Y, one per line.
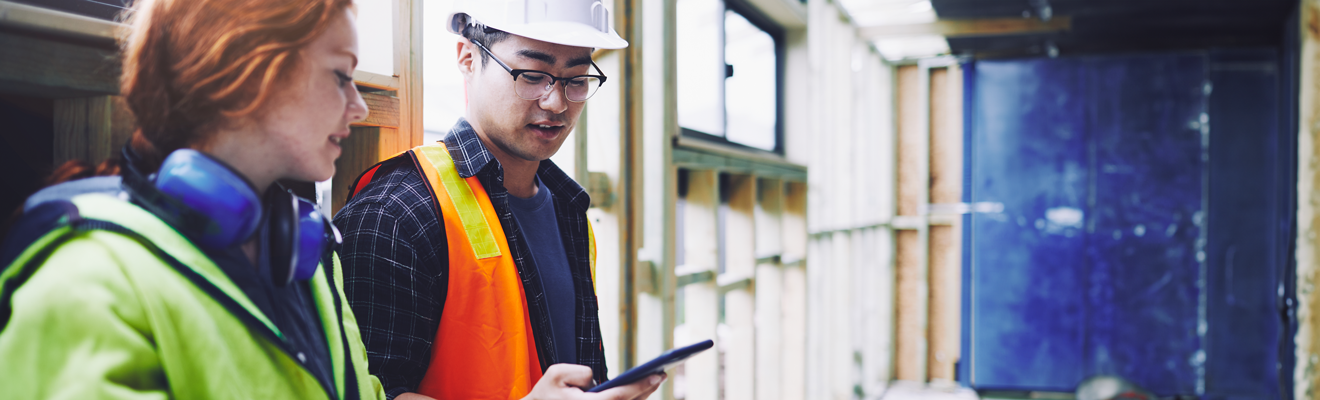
column 115, row 304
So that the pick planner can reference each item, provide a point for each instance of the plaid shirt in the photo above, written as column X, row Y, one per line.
column 395, row 261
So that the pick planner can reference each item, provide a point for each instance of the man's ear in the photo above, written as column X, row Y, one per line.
column 466, row 58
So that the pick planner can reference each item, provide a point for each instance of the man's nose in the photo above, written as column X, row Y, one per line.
column 554, row 100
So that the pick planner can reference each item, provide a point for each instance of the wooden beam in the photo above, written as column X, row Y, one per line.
column 1307, row 337
column 769, row 290
column 969, row 27
column 32, row 18
column 47, row 68
column 384, row 111
column 408, row 68
column 375, row 81
column 702, row 154
column 701, row 303
column 737, row 284
column 945, row 251
column 793, row 326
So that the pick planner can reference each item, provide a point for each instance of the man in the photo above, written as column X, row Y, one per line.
column 470, row 261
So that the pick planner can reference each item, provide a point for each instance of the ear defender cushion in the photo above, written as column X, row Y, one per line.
column 297, row 237
column 312, row 240
column 213, row 190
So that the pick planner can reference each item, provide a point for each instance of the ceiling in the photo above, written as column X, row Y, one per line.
column 1096, row 25
column 103, row 9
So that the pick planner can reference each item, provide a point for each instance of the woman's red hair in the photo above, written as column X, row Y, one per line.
column 191, row 64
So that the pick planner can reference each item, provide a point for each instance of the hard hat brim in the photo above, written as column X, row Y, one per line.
column 565, row 33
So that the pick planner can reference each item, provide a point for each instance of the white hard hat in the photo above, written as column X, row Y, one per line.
column 580, row 23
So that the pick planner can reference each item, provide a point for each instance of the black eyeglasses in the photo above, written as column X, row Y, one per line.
column 531, row 84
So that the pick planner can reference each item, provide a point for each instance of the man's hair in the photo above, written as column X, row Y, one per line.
column 473, row 30
column 190, row 64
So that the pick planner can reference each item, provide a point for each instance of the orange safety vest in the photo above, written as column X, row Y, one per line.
column 484, row 347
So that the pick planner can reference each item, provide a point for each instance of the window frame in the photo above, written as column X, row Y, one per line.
column 777, row 33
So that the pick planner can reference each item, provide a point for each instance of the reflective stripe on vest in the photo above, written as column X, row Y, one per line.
column 484, row 347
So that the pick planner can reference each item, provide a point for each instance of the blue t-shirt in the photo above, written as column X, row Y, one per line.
column 536, row 219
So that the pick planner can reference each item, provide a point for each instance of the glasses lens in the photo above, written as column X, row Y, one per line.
column 533, row 85
column 581, row 88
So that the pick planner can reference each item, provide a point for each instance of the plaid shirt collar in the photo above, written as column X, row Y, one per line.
column 471, row 157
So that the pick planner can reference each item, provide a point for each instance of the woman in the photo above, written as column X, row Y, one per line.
column 202, row 279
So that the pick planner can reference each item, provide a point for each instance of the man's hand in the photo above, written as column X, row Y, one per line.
column 566, row 382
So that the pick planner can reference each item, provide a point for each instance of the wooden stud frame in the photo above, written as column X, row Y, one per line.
column 395, row 102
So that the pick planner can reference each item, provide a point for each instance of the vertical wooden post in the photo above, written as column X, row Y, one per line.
column 91, row 129
column 946, row 154
column 408, row 67
column 702, row 298
column 911, row 332
column 739, row 303
column 631, row 174
column 1307, row 370
column 667, row 279
column 603, row 157
column 769, row 290
column 793, row 369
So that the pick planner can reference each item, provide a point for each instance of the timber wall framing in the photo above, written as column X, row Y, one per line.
column 73, row 60
column 1307, row 370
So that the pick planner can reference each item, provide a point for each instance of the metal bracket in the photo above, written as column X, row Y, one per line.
column 600, row 189
column 984, row 207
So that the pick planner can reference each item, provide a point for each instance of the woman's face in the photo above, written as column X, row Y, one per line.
column 298, row 136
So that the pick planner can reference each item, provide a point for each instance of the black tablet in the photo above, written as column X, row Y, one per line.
column 655, row 366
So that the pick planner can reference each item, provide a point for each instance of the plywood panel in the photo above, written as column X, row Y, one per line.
column 945, row 301
column 392, row 141
column 912, row 292
column 910, row 140
column 361, row 151
column 946, row 135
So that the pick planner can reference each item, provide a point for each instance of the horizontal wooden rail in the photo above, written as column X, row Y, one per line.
column 969, row 27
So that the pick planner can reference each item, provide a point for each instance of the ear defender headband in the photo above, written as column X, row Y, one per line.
column 217, row 208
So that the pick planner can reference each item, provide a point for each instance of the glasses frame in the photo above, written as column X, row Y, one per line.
column 553, row 79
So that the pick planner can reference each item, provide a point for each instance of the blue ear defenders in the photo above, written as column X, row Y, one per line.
column 216, row 208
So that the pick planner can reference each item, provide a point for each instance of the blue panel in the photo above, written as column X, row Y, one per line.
column 1146, row 224
column 1028, row 270
column 1245, row 189
column 1142, row 292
